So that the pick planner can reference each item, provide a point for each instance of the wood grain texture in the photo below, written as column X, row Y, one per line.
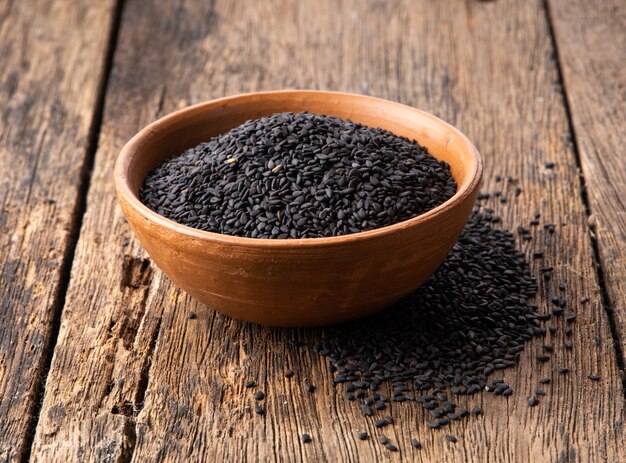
column 51, row 74
column 135, row 379
column 591, row 43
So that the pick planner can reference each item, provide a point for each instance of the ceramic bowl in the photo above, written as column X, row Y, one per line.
column 298, row 282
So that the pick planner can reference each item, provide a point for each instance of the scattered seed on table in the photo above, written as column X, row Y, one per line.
column 549, row 165
column 250, row 383
column 259, row 395
column 540, row 391
column 391, row 447
column 477, row 410
column 568, row 330
column 388, row 419
column 569, row 345
column 532, row 402
column 594, row 377
column 545, row 380
column 463, row 412
column 433, row 424
column 305, row 438
column 259, row 410
column 383, row 439
column 363, row 435
column 507, row 392
column 366, row 410
column 548, row 348
column 552, row 329
column 571, row 318
column 415, row 443
column 309, row 387
column 380, row 405
column 543, row 358
column 584, row 299
column 451, row 438
column 191, row 315
column 379, row 423
column 289, row 373
column 563, row 370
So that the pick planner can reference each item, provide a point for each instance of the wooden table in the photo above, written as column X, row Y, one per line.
column 98, row 360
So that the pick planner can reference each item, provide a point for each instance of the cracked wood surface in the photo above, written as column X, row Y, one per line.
column 134, row 379
column 591, row 41
column 51, row 72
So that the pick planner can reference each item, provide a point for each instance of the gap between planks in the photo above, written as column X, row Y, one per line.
column 77, row 221
column 598, row 269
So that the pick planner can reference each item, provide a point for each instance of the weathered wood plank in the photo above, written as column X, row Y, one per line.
column 52, row 60
column 134, row 378
column 591, row 43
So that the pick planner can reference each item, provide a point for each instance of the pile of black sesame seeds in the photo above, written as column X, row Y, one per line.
column 298, row 176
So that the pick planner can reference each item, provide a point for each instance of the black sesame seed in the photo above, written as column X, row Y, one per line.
column 309, row 387
column 451, row 438
column 191, row 315
column 305, row 438
column 380, row 423
column 532, row 402
column 549, row 165
column 250, row 383
column 545, row 381
column 476, row 410
column 383, row 439
column 569, row 345
column 563, row 370
column 363, row 435
column 391, row 447
column 259, row 410
column 543, row 358
column 594, row 377
column 415, row 443
column 540, row 391
column 259, row 395
column 289, row 373
column 298, row 176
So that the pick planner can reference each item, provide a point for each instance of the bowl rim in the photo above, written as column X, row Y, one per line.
column 124, row 191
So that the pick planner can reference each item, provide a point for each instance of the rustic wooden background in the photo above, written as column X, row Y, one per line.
column 98, row 360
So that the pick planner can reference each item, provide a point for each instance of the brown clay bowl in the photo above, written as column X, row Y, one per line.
column 298, row 282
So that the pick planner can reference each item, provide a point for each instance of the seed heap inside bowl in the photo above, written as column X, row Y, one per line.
column 298, row 176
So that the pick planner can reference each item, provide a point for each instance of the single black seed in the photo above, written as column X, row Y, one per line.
column 548, row 348
column 594, row 377
column 570, row 318
column 380, row 423
column 549, row 165
column 451, row 438
column 250, row 383
column 383, row 439
column 584, row 299
column 543, row 358
column 309, row 387
column 289, row 373
column 476, row 410
column 545, row 380
column 391, row 447
column 366, row 410
column 563, row 370
column 552, row 329
column 363, row 435
column 415, row 443
column 305, row 438
column 259, row 410
column 540, row 391
column 569, row 345
column 532, row 401
column 507, row 392
column 568, row 330
column 259, row 395
column 388, row 419
column 191, row 315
